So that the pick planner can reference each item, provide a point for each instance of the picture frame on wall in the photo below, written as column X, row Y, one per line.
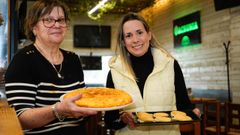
column 187, row 30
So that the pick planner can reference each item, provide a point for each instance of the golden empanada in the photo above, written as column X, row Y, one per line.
column 100, row 97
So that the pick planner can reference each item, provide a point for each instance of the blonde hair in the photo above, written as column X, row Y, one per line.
column 121, row 49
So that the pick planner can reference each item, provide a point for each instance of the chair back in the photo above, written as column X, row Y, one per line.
column 212, row 117
column 233, row 117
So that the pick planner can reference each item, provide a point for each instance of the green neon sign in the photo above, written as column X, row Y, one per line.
column 185, row 28
column 185, row 41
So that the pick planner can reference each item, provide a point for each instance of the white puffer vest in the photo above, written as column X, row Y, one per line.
column 158, row 95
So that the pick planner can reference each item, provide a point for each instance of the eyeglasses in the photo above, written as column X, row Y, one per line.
column 50, row 22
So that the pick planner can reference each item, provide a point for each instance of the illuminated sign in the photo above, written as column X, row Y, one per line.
column 187, row 30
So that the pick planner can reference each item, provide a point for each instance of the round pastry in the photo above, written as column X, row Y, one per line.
column 160, row 114
column 182, row 118
column 100, row 97
column 145, row 117
column 174, row 113
column 162, row 119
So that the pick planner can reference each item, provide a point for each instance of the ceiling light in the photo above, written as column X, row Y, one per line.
column 100, row 4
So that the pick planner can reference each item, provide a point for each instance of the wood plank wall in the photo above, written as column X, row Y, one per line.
column 203, row 66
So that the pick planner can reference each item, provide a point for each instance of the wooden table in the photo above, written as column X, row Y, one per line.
column 9, row 123
column 201, row 100
column 3, row 103
column 194, row 128
column 201, row 103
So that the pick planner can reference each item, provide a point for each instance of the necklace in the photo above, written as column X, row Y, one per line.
column 57, row 71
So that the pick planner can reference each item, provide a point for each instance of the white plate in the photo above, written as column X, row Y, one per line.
column 104, row 109
column 107, row 109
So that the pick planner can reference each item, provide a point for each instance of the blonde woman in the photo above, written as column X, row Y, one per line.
column 149, row 73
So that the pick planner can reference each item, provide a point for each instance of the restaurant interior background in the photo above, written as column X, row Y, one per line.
column 203, row 62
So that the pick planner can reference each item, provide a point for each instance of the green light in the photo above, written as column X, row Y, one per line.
column 185, row 28
column 185, row 41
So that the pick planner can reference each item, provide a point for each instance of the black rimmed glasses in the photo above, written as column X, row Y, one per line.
column 50, row 22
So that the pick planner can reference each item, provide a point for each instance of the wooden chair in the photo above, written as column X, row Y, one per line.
column 233, row 119
column 212, row 118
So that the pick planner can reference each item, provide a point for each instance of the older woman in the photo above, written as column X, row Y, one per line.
column 152, row 75
column 41, row 72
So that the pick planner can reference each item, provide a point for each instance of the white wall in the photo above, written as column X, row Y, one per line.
column 97, row 76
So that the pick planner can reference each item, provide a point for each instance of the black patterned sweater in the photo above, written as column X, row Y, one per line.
column 31, row 81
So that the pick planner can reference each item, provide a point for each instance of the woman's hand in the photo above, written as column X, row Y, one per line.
column 68, row 108
column 127, row 118
column 197, row 112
